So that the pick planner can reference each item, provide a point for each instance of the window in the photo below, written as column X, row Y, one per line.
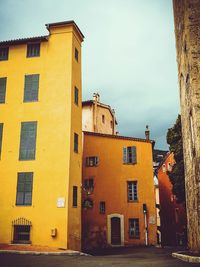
column 92, row 161
column 2, row 89
column 76, row 54
column 22, row 234
column 88, row 203
column 76, row 95
column 88, row 183
column 169, row 167
column 28, row 140
column 4, row 53
column 33, row 50
column 31, row 86
column 164, row 168
column 76, row 142
column 24, row 188
column 129, row 155
column 134, row 228
column 102, row 207
column 1, row 137
column 75, row 196
column 132, row 191
column 103, row 118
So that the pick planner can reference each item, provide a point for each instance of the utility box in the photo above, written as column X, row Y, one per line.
column 54, row 232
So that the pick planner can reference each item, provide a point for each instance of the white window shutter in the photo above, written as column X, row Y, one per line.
column 134, row 155
column 124, row 154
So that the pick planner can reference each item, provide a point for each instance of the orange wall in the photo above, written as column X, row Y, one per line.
column 110, row 184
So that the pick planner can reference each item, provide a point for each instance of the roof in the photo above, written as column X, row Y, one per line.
column 41, row 38
column 91, row 102
column 119, row 137
column 67, row 22
column 24, row 40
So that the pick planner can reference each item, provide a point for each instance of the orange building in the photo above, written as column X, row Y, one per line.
column 118, row 191
column 172, row 214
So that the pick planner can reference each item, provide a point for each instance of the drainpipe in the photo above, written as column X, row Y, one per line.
column 145, row 223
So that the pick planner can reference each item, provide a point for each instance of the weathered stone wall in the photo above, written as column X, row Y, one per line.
column 187, row 31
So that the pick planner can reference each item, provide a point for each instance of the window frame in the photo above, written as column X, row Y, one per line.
column 92, row 161
column 76, row 95
column 76, row 142
column 136, row 232
column 30, row 91
column 130, row 155
column 6, row 56
column 3, row 86
column 102, row 207
column 33, row 54
column 75, row 196
column 76, row 54
column 24, row 192
column 134, row 191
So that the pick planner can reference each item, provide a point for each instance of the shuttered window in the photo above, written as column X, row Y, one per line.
column 134, row 231
column 75, row 196
column 132, row 191
column 28, row 140
column 24, row 188
column 76, row 95
column 1, row 137
column 31, row 86
column 33, row 50
column 76, row 142
column 4, row 53
column 3, row 89
column 129, row 155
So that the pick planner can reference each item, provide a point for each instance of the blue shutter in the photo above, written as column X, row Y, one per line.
column 124, row 154
column 134, row 156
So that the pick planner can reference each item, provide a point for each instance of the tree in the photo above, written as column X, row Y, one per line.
column 177, row 176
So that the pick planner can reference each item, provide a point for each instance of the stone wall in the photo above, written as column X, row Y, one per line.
column 187, row 32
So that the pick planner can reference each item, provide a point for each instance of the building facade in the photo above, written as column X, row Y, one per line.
column 98, row 117
column 40, row 137
column 187, row 31
column 118, row 195
column 172, row 214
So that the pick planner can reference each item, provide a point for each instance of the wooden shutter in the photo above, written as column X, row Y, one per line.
column 124, row 154
column 2, row 89
column 28, row 140
column 1, row 135
column 31, row 88
column 134, row 156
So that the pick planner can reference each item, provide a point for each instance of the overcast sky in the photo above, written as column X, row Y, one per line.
column 128, row 54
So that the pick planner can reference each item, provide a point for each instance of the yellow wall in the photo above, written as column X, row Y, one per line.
column 54, row 165
column 110, row 185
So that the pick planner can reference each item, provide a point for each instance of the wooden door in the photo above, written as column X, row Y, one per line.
column 115, row 231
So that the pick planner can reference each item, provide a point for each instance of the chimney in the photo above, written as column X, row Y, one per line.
column 96, row 97
column 147, row 132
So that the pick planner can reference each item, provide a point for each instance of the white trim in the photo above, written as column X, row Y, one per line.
column 121, row 217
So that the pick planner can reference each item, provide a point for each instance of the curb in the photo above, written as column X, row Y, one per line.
column 181, row 256
column 69, row 253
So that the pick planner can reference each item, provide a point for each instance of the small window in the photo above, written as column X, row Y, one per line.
column 129, row 155
column 22, row 234
column 92, row 161
column 76, row 95
column 76, row 142
column 76, row 54
column 4, row 53
column 33, row 50
column 132, row 191
column 103, row 118
column 24, row 188
column 88, row 183
column 75, row 196
column 134, row 228
column 1, row 137
column 28, row 140
column 3, row 82
column 102, row 207
column 31, row 86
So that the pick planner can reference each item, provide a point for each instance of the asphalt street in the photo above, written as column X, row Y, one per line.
column 136, row 257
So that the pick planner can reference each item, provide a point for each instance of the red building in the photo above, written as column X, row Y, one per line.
column 172, row 214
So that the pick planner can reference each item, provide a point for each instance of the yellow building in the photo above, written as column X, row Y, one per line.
column 40, row 138
column 118, row 191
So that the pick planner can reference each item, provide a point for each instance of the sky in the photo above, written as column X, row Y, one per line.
column 128, row 55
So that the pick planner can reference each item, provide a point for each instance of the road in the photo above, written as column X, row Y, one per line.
column 136, row 257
